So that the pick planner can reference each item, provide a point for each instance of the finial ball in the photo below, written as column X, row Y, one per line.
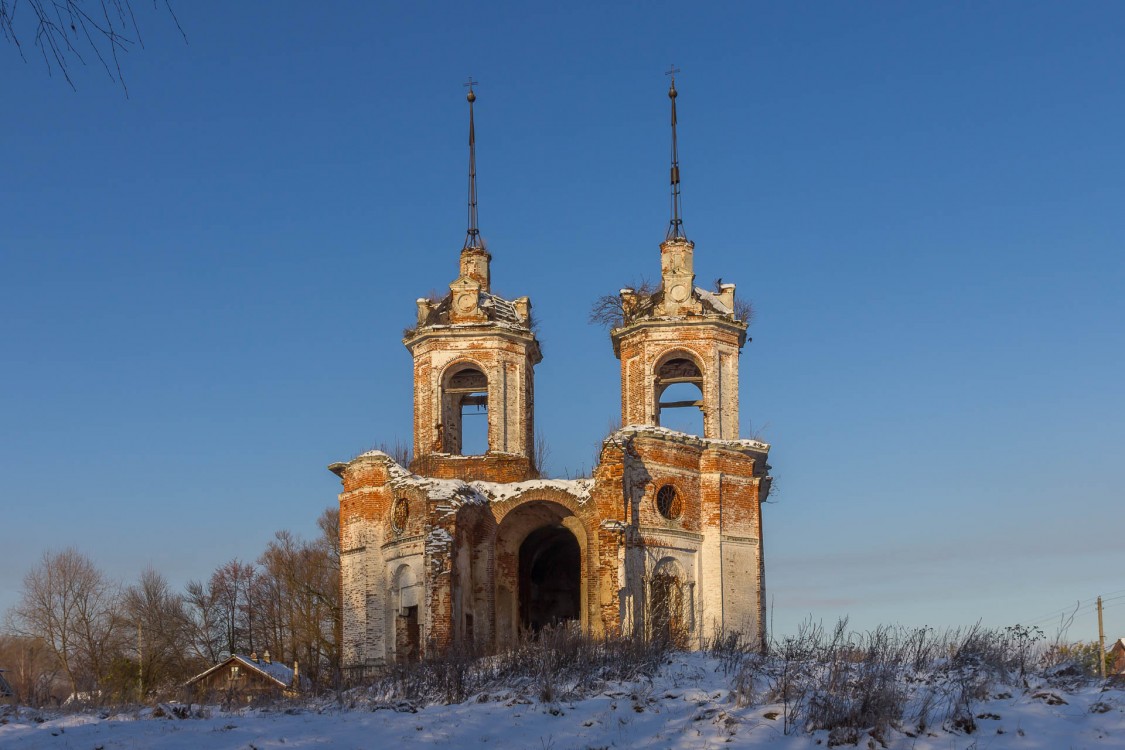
column 672, row 91
column 471, row 97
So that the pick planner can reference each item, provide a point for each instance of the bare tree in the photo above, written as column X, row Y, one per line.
column 65, row 30
column 204, row 622
column 33, row 670
column 69, row 604
column 743, row 310
column 274, row 620
column 329, row 524
column 542, row 452
column 297, row 601
column 159, row 623
column 402, row 452
column 231, row 586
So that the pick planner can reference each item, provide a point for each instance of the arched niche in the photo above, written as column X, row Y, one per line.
column 669, row 604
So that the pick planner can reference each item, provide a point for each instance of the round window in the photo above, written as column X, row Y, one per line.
column 668, row 502
column 400, row 514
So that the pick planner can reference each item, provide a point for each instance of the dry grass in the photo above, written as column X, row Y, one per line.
column 558, row 664
column 907, row 679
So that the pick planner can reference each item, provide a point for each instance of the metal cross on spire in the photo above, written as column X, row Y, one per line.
column 676, row 225
column 472, row 237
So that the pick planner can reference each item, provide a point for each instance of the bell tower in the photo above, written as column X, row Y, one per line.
column 680, row 333
column 663, row 540
column 474, row 355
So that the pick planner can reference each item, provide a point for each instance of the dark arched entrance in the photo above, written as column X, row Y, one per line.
column 550, row 577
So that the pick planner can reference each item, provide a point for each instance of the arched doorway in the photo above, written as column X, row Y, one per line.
column 405, row 597
column 541, row 569
column 668, row 608
column 550, row 578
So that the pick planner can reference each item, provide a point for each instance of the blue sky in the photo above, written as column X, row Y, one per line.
column 203, row 286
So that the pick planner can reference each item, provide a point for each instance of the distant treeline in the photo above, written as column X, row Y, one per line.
column 74, row 632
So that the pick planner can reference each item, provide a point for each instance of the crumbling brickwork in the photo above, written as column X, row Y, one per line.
column 664, row 540
column 474, row 349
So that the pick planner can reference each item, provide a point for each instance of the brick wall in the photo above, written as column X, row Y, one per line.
column 712, row 343
column 507, row 359
column 459, row 551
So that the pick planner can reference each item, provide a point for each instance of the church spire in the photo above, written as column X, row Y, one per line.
column 676, row 225
column 472, row 237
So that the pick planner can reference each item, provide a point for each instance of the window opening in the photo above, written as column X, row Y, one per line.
column 668, row 502
column 679, row 396
column 466, row 413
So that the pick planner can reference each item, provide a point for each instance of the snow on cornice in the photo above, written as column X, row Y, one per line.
column 745, row 443
column 459, row 492
column 498, row 492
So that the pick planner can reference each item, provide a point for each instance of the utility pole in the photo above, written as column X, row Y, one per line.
column 1101, row 641
column 140, row 663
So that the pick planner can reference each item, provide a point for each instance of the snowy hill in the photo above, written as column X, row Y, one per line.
column 891, row 687
column 689, row 704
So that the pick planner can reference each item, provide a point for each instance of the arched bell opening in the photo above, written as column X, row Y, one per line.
column 678, row 387
column 465, row 412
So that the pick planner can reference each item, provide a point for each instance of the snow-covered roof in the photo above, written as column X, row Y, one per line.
column 275, row 671
column 713, row 301
column 647, row 306
column 499, row 309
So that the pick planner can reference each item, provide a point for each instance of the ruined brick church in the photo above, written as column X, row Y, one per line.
column 665, row 538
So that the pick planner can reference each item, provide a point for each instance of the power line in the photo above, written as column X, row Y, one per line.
column 1080, row 607
column 1090, row 608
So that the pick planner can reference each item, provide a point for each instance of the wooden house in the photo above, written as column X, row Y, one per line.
column 6, row 692
column 241, row 677
column 1116, row 659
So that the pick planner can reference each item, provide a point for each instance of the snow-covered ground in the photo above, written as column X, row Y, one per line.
column 687, row 705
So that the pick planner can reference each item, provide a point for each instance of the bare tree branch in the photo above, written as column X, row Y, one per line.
column 62, row 29
column 609, row 309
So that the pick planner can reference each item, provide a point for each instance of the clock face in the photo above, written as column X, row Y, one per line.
column 679, row 292
column 466, row 302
